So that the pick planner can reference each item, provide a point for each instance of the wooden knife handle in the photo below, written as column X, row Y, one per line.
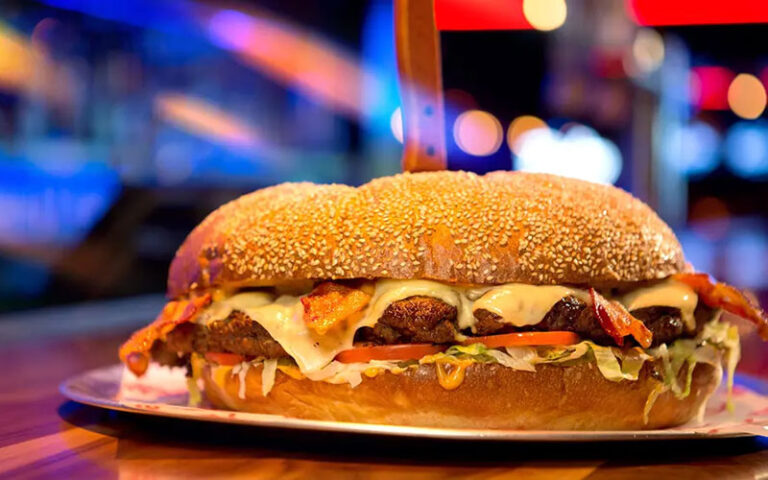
column 421, row 85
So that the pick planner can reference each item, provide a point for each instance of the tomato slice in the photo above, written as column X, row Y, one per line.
column 525, row 338
column 406, row 351
column 224, row 358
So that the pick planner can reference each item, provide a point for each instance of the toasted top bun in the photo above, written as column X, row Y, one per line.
column 454, row 227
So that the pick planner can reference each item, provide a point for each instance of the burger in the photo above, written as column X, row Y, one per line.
column 445, row 299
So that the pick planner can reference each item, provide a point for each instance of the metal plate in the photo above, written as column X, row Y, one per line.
column 163, row 394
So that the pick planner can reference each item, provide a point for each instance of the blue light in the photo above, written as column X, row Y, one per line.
column 698, row 251
column 746, row 258
column 380, row 89
column 41, row 207
column 746, row 148
column 694, row 148
column 164, row 15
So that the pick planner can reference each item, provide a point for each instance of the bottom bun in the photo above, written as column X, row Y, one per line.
column 575, row 397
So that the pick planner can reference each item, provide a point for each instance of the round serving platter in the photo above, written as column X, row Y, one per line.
column 162, row 392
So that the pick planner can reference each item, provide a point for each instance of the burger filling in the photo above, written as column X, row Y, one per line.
column 419, row 320
column 338, row 331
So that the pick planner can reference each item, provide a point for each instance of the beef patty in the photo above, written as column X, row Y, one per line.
column 413, row 320
column 235, row 334
column 573, row 315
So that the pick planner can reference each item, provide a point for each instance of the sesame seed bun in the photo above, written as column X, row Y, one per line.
column 447, row 226
column 576, row 397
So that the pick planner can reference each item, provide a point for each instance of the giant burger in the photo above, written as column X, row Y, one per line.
column 510, row 300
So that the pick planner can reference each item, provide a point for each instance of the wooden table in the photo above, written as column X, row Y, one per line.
column 42, row 435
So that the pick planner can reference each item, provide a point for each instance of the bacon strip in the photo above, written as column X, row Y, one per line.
column 618, row 322
column 135, row 352
column 330, row 303
column 720, row 295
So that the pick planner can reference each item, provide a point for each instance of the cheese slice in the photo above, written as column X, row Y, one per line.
column 669, row 293
column 390, row 291
column 219, row 310
column 284, row 321
column 520, row 304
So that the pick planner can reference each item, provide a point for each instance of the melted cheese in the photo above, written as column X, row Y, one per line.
column 669, row 293
column 520, row 304
column 220, row 309
column 390, row 291
column 284, row 321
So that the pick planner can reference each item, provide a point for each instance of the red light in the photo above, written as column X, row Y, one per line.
column 709, row 87
column 608, row 64
column 697, row 12
column 480, row 15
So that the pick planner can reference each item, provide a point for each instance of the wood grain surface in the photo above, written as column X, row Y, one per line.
column 44, row 436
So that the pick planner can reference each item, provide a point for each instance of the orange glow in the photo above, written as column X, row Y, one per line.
column 478, row 133
column 746, row 96
column 26, row 68
column 293, row 57
column 17, row 60
column 201, row 118
column 521, row 125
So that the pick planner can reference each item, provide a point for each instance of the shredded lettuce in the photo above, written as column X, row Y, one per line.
column 614, row 364
column 607, row 360
column 195, row 396
column 351, row 373
column 268, row 372
column 725, row 337
column 517, row 358
column 716, row 340
column 563, row 354
column 651, row 400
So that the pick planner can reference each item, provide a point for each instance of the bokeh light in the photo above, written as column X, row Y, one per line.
column 199, row 117
column 709, row 87
column 746, row 96
column 694, row 148
column 545, row 15
column 710, row 218
column 746, row 149
column 478, row 133
column 648, row 50
column 580, row 152
column 294, row 56
column 396, row 124
column 521, row 125
column 26, row 67
column 699, row 252
column 746, row 258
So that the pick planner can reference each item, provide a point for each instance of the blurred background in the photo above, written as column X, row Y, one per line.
column 123, row 123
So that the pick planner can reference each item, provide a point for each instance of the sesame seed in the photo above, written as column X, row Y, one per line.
column 498, row 228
